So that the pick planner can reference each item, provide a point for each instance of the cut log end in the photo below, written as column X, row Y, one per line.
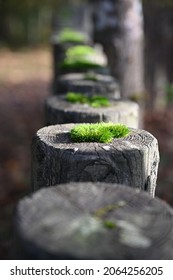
column 93, row 221
column 132, row 160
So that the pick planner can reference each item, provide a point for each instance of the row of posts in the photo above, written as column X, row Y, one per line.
column 90, row 200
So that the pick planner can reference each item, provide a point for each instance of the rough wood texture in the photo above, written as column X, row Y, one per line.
column 60, row 111
column 71, row 222
column 132, row 160
column 76, row 82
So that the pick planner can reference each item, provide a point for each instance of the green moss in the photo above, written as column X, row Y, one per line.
column 80, row 51
column 98, row 132
column 69, row 35
column 79, row 58
column 79, row 65
column 99, row 101
column 109, row 224
column 94, row 101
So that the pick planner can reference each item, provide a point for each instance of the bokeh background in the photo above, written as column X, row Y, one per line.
column 25, row 81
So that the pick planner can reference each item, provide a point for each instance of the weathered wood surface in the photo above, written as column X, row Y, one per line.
column 59, row 111
column 132, row 160
column 76, row 82
column 71, row 222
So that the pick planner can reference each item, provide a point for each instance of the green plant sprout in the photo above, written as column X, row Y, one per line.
column 94, row 101
column 80, row 57
column 98, row 132
column 68, row 35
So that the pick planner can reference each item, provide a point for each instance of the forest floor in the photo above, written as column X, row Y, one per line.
column 25, row 79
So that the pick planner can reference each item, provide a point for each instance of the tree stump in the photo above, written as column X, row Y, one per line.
column 77, row 82
column 58, row 111
column 93, row 221
column 131, row 160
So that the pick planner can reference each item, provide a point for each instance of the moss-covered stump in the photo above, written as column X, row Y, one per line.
column 63, row 40
column 79, row 65
column 89, row 83
column 93, row 221
column 58, row 111
column 131, row 160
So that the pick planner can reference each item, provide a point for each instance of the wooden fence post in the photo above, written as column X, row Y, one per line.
column 58, row 111
column 90, row 83
column 132, row 160
column 93, row 221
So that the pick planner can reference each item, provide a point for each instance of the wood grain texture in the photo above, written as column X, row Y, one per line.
column 76, row 82
column 70, row 221
column 60, row 111
column 132, row 160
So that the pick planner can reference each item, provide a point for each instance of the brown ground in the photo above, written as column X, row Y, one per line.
column 24, row 83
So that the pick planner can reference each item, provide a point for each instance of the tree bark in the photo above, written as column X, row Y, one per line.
column 132, row 160
column 93, row 221
column 60, row 111
column 118, row 26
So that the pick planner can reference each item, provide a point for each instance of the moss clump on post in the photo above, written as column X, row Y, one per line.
column 95, row 101
column 109, row 224
column 80, row 51
column 80, row 57
column 68, row 35
column 98, row 132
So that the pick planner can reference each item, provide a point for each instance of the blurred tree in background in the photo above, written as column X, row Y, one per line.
column 30, row 22
column 21, row 22
column 158, row 29
column 118, row 26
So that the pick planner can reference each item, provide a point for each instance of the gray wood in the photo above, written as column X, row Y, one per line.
column 132, row 160
column 76, row 82
column 69, row 222
column 60, row 111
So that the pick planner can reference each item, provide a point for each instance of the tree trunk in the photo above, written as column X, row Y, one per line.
column 118, row 26
column 131, row 160
column 93, row 221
